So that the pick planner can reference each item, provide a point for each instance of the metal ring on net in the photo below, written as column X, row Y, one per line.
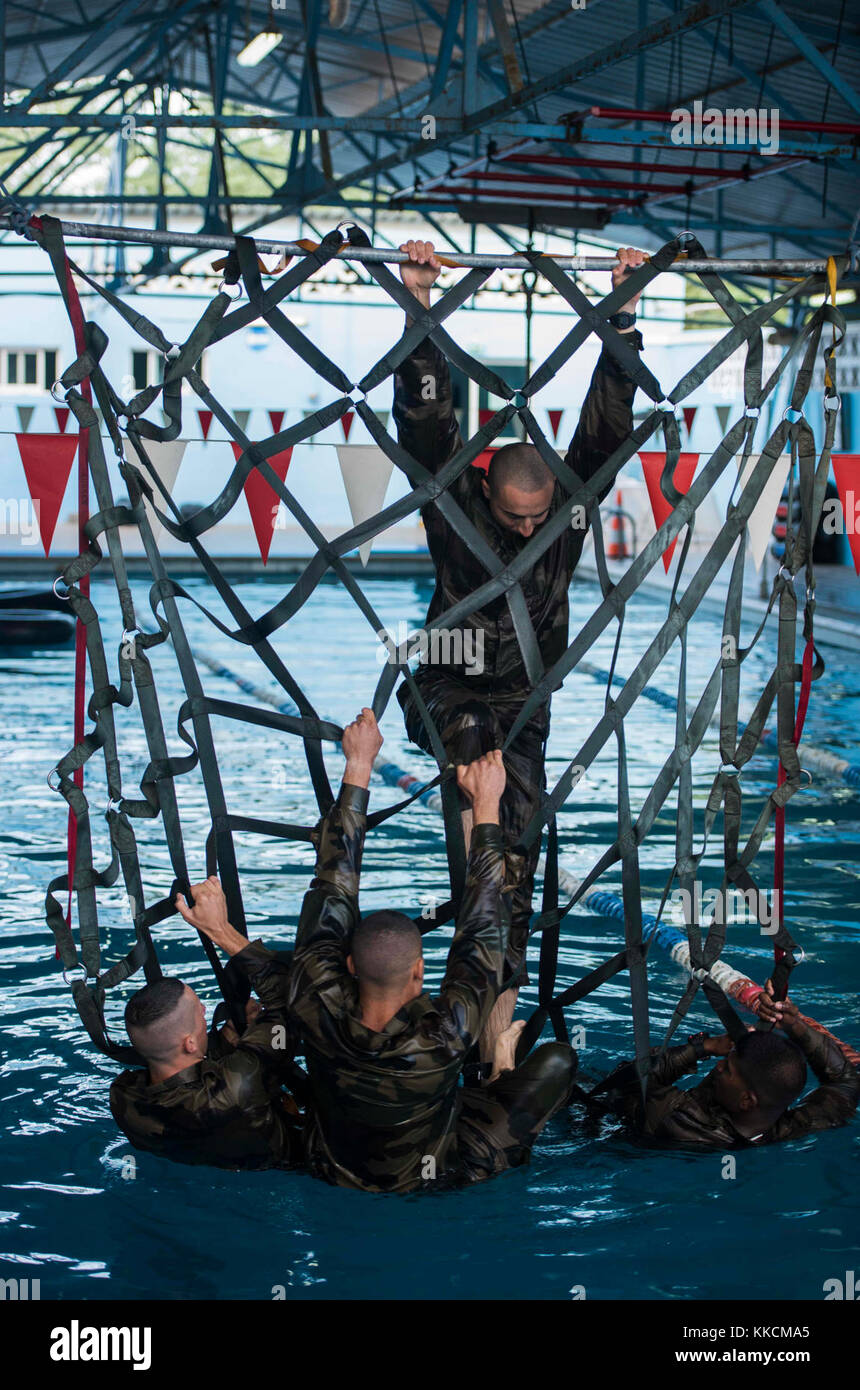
column 83, row 969
column 225, row 286
column 60, row 580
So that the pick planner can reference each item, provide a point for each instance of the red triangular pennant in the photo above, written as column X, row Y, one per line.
column 47, row 460
column 555, row 421
column 484, row 416
column 346, row 421
column 689, row 416
column 62, row 414
column 205, row 418
column 277, row 419
column 846, row 471
column 652, row 466
column 483, row 459
column 262, row 499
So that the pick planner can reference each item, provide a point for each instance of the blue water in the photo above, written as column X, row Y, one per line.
column 593, row 1209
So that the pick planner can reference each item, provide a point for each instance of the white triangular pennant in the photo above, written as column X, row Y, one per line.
column 242, row 417
column 165, row 459
column 366, row 471
column 761, row 522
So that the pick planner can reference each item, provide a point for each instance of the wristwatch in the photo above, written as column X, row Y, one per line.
column 698, row 1040
column 622, row 320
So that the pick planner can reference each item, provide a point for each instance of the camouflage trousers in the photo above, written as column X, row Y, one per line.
column 471, row 723
column 499, row 1123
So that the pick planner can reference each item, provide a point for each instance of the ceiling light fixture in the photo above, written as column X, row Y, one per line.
column 259, row 48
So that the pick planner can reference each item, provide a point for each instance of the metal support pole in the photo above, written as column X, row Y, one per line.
column 372, row 255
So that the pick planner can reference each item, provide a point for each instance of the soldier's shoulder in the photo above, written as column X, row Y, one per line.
column 128, row 1083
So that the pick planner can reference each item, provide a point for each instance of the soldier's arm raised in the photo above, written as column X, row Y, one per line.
column 330, row 908
column 473, row 974
column 423, row 400
column 606, row 418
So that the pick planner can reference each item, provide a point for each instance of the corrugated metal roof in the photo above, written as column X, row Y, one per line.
column 382, row 60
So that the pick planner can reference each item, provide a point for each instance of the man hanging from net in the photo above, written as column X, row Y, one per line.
column 386, row 1112
column 474, row 702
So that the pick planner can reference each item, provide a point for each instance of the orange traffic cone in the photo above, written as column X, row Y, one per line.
column 617, row 547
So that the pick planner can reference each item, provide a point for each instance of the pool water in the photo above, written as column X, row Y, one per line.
column 593, row 1210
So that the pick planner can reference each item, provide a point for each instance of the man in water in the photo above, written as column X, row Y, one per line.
column 384, row 1057
column 475, row 703
column 218, row 1098
column 746, row 1098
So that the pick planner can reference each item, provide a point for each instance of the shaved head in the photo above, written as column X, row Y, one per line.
column 161, row 1016
column 773, row 1067
column 519, row 466
column 385, row 948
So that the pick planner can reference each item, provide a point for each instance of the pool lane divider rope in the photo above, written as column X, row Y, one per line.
column 745, row 991
column 819, row 759
column 600, row 900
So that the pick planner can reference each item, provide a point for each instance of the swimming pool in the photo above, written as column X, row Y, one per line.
column 593, row 1209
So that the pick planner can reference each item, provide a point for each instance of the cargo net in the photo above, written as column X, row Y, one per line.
column 786, row 687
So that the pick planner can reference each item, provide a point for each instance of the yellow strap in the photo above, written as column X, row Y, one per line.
column 832, row 276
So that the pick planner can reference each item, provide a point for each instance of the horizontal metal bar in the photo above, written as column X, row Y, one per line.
column 582, row 162
column 443, row 192
column 143, row 236
column 557, row 181
column 662, row 139
column 446, row 126
column 608, row 113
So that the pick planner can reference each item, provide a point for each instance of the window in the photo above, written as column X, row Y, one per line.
column 27, row 369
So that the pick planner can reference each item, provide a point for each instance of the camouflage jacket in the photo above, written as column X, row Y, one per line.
column 227, row 1110
column 386, row 1103
column 695, row 1119
column 428, row 430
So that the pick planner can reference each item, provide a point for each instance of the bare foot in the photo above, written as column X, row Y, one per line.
column 504, row 1055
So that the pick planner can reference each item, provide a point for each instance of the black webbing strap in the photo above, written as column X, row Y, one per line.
column 194, row 721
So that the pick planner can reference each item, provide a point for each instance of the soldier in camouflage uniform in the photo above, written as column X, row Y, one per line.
column 744, row 1100
column 475, row 704
column 384, row 1057
column 211, row 1099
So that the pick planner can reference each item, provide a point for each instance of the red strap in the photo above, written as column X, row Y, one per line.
column 779, row 817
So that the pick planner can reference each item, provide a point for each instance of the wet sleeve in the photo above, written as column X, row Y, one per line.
column 606, row 418
column 330, row 907
column 662, row 1095
column 473, row 975
column 242, row 1107
column 270, row 1036
column 834, row 1101
column 424, row 407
